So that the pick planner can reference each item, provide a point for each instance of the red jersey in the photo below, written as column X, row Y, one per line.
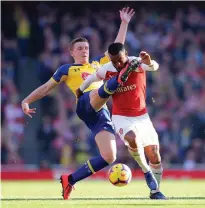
column 130, row 97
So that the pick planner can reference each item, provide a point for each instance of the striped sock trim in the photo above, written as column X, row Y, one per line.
column 90, row 167
column 155, row 166
column 106, row 90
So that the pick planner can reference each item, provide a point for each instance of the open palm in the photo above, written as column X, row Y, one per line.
column 126, row 14
column 27, row 110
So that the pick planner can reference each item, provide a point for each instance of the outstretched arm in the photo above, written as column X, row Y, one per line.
column 40, row 92
column 125, row 15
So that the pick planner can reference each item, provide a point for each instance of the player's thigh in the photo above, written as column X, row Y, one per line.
column 146, row 131
column 123, row 126
column 107, row 145
column 149, row 138
column 96, row 101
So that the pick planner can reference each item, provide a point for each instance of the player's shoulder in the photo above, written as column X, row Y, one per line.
column 64, row 68
column 61, row 71
column 108, row 67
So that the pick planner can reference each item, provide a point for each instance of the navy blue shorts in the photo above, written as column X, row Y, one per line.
column 95, row 121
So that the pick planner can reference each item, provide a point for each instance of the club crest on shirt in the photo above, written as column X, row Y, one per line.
column 85, row 75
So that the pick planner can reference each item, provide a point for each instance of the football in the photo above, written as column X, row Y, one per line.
column 120, row 175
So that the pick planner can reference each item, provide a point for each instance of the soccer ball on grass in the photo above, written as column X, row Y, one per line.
column 120, row 175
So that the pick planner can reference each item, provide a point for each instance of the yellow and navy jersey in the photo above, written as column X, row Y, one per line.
column 74, row 74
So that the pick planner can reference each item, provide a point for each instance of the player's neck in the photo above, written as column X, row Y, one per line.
column 81, row 62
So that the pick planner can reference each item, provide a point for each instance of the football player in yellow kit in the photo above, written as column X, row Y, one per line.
column 97, row 120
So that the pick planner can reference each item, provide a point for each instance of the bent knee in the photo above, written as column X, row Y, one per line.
column 152, row 152
column 155, row 157
column 109, row 157
column 130, row 138
column 155, row 160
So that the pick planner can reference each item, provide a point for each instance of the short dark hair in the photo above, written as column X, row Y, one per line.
column 115, row 48
column 77, row 40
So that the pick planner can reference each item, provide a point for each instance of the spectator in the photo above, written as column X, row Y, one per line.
column 23, row 30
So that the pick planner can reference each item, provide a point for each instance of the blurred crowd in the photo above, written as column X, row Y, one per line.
column 175, row 94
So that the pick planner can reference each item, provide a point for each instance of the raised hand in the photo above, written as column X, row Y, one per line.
column 146, row 59
column 126, row 14
column 27, row 110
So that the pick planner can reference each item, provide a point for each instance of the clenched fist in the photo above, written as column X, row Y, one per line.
column 146, row 59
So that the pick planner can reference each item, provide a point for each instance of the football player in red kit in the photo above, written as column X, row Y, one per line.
column 129, row 112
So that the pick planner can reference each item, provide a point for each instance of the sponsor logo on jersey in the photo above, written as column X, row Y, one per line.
column 77, row 69
column 126, row 88
column 85, row 75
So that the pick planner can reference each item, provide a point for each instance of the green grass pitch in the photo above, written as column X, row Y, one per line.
column 92, row 194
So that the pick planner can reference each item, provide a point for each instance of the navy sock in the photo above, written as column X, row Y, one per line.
column 108, row 88
column 90, row 167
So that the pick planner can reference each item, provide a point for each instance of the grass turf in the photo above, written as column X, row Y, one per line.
column 91, row 194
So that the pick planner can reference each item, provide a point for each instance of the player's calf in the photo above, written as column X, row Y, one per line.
column 152, row 152
column 136, row 150
column 108, row 88
column 107, row 146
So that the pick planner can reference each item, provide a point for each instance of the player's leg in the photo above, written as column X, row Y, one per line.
column 127, row 132
column 96, row 101
column 110, row 86
column 98, row 98
column 107, row 146
column 101, row 126
column 151, row 149
column 136, row 150
column 152, row 153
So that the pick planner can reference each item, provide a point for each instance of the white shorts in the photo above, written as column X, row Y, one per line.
column 141, row 125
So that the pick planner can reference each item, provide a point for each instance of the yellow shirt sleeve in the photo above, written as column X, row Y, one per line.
column 102, row 59
column 61, row 73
